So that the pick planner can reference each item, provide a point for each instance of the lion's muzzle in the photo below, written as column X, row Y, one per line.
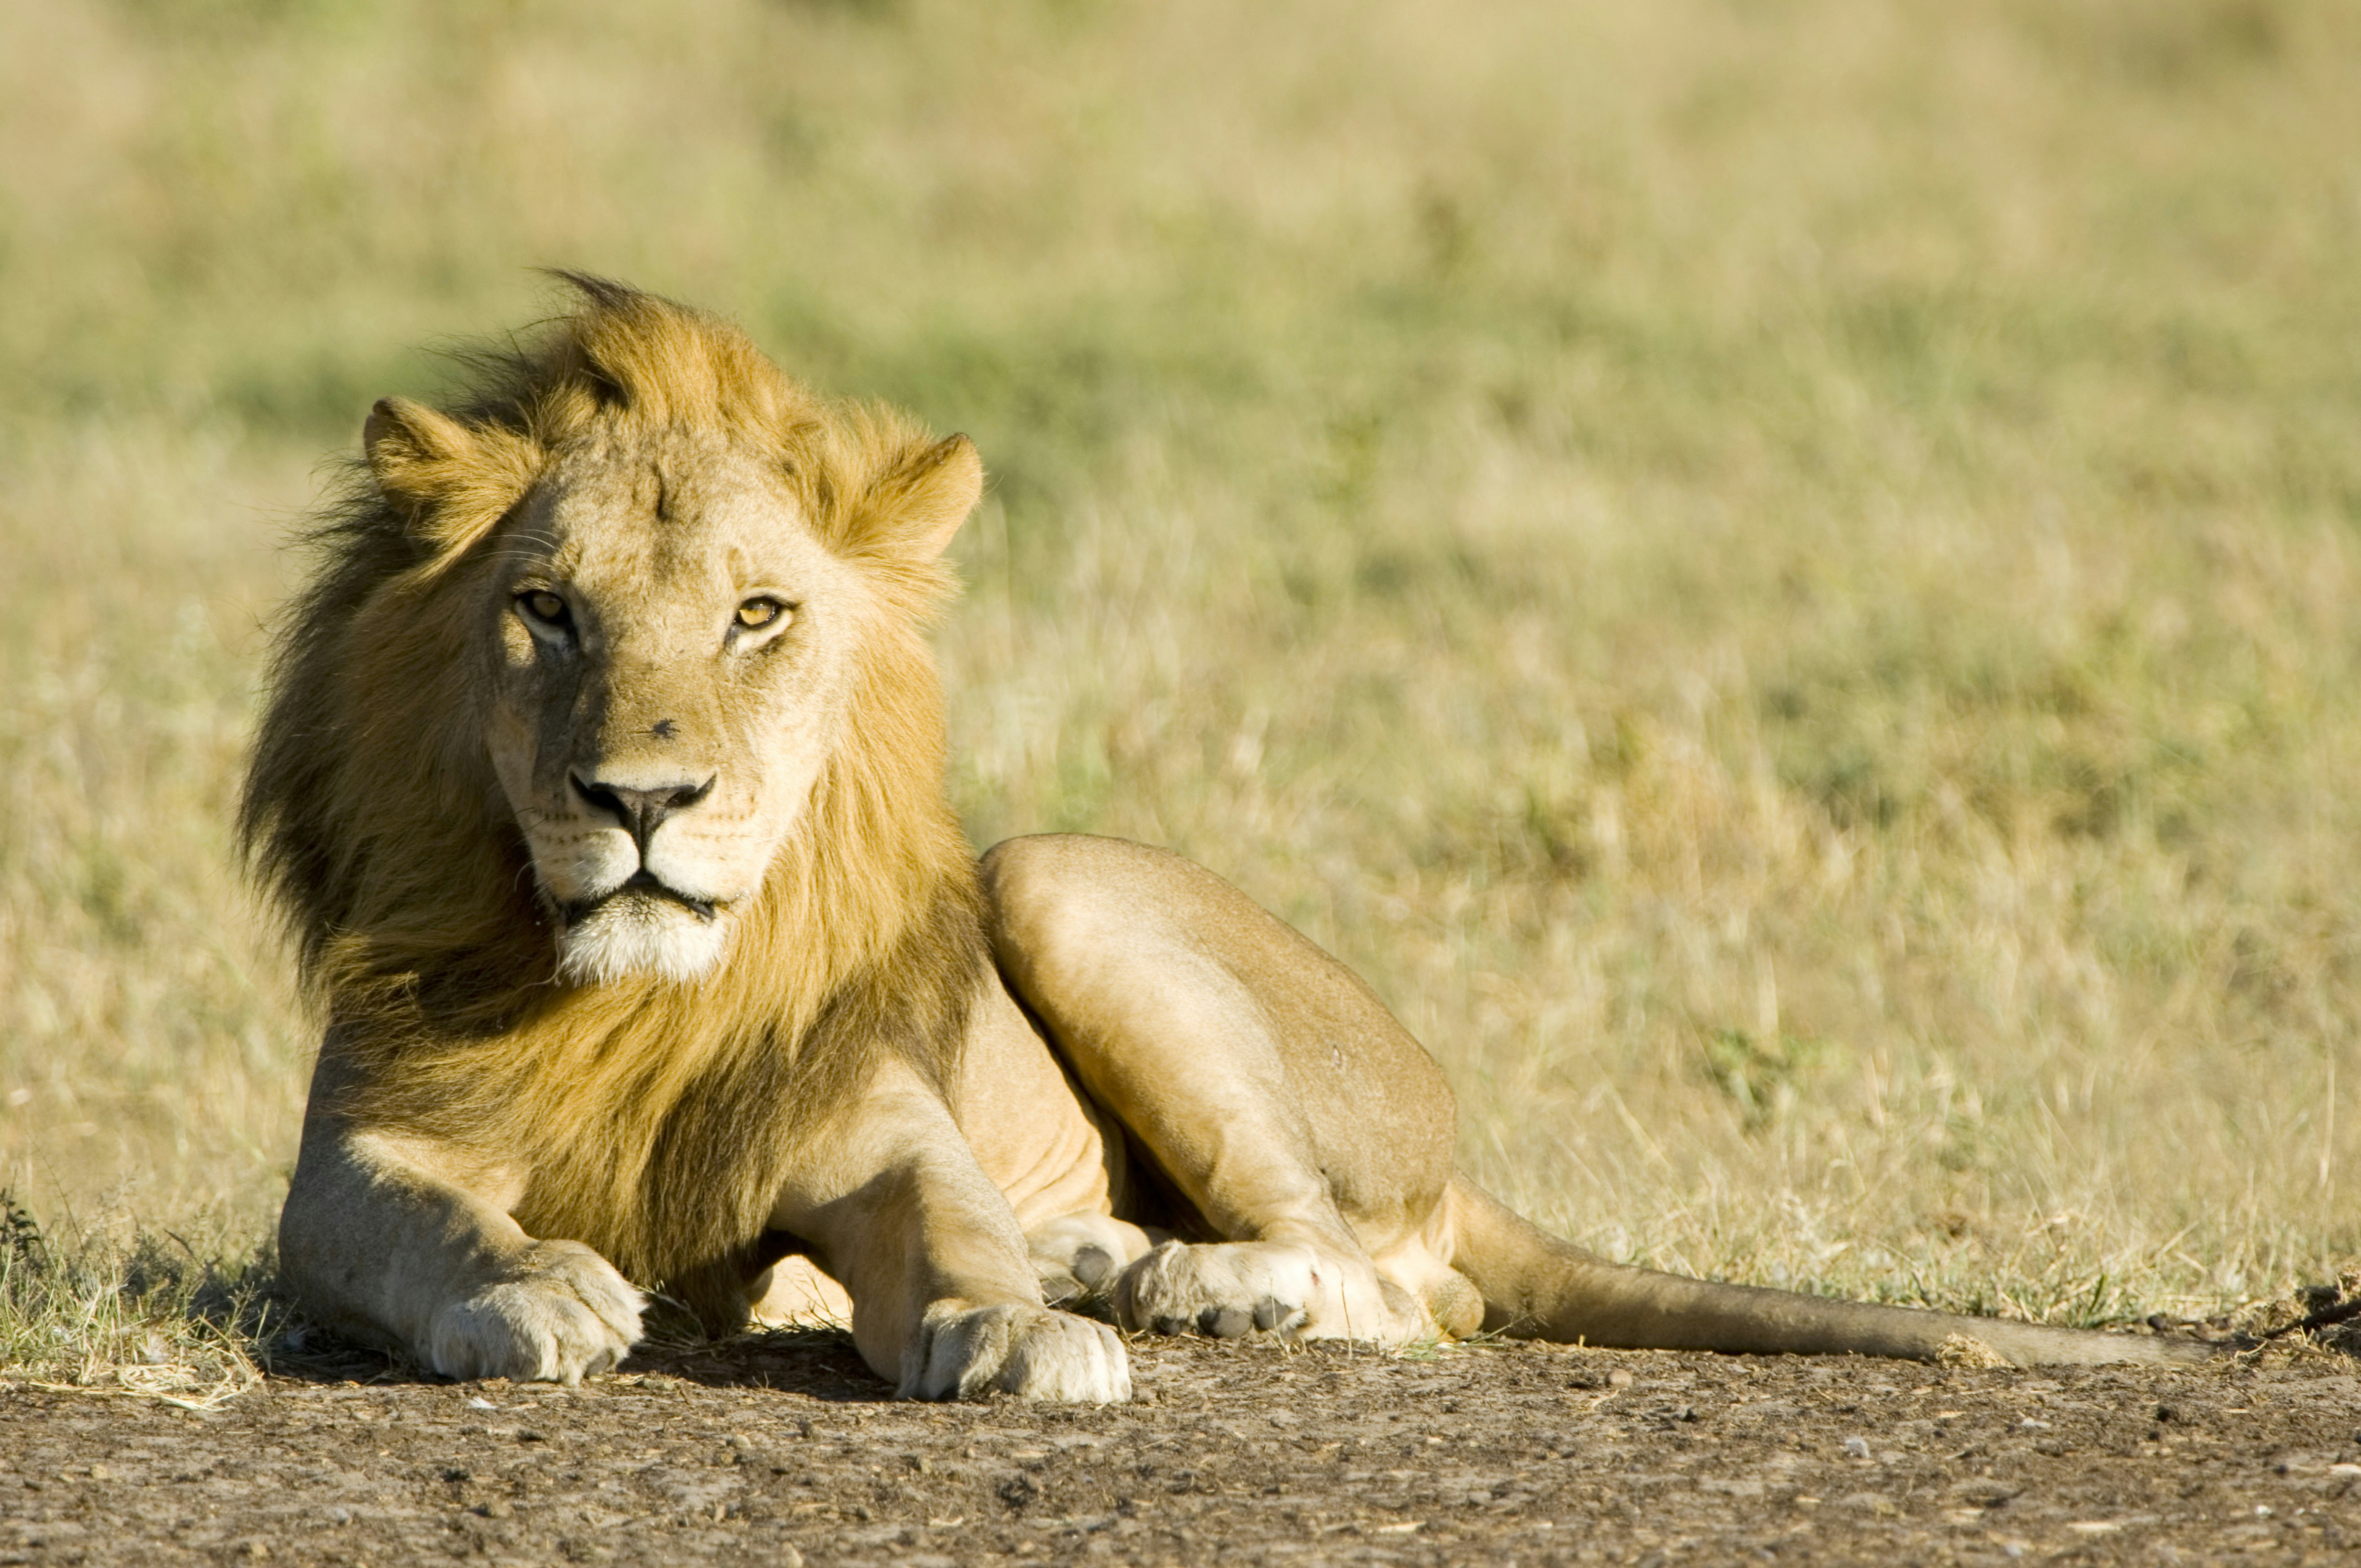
column 644, row 909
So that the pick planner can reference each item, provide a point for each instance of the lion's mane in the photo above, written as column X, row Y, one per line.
column 650, row 1116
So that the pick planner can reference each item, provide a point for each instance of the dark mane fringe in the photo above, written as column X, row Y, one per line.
column 648, row 1114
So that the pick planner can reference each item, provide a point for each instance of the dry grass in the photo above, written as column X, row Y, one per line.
column 1780, row 577
column 138, row 1314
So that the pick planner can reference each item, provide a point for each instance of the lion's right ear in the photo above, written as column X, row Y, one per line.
column 451, row 479
column 414, row 451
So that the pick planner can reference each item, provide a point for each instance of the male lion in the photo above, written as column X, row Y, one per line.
column 601, row 782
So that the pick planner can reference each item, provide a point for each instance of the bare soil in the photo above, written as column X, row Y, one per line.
column 785, row 1449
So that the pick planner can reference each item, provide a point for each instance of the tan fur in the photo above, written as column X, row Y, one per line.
column 649, row 943
column 654, row 1111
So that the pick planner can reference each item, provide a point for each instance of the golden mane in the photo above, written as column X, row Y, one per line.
column 650, row 1117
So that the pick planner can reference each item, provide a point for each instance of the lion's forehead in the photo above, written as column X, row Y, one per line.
column 666, row 532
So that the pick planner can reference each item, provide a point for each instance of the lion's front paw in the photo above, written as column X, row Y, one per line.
column 561, row 1313
column 1031, row 1352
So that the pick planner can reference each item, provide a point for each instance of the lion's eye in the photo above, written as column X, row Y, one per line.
column 757, row 613
column 545, row 607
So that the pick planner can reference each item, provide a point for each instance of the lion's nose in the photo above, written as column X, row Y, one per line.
column 640, row 810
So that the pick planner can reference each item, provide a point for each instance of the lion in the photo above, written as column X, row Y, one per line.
column 601, row 782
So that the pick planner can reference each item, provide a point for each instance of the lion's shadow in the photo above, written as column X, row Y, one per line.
column 820, row 1364
column 816, row 1364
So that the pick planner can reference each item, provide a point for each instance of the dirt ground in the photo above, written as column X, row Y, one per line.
column 785, row 1449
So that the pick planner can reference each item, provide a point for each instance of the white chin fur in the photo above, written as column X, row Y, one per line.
column 633, row 938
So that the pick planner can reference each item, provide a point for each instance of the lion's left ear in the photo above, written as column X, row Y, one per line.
column 920, row 502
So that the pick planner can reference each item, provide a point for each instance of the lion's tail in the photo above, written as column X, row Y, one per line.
column 1537, row 1286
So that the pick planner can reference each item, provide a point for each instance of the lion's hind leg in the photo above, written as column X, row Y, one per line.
column 1292, row 1116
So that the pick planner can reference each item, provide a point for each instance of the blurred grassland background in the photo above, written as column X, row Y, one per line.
column 1779, row 575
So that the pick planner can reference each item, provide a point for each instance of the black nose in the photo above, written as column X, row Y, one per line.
column 640, row 810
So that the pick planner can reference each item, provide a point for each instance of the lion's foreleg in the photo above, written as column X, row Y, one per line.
column 404, row 1243
column 945, row 1300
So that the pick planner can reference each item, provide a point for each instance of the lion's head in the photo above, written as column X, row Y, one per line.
column 668, row 637
column 602, row 775
column 638, row 589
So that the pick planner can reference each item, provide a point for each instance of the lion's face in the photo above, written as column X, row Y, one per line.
column 672, row 651
column 649, row 606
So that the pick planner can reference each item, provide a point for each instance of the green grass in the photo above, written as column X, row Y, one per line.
column 1778, row 576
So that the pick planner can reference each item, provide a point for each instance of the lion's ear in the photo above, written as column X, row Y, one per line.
column 922, row 501
column 414, row 450
column 451, row 480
